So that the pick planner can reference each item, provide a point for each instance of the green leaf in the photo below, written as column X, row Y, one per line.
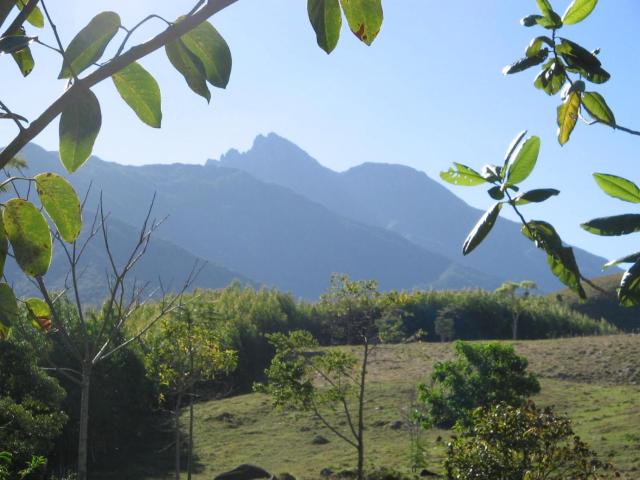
column 481, row 229
column 491, row 173
column 551, row 22
column 8, row 309
column 364, row 18
column 545, row 7
column 60, row 201
column 551, row 78
column 536, row 45
column 578, row 10
column 633, row 258
column 629, row 291
column 496, row 193
column 25, row 61
column 523, row 161
column 39, row 313
column 141, row 92
column 526, row 62
column 80, row 124
column 618, row 187
column 4, row 246
column 35, row 18
column 530, row 20
column 326, row 19
column 189, row 66
column 90, row 43
column 29, row 235
column 614, row 225
column 14, row 43
column 582, row 61
column 595, row 104
column 560, row 259
column 512, row 147
column 212, row 50
column 535, row 196
column 462, row 176
column 568, row 116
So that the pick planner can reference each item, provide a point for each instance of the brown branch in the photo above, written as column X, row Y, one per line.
column 21, row 17
column 170, row 34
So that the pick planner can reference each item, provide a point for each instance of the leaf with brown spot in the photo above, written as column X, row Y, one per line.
column 364, row 18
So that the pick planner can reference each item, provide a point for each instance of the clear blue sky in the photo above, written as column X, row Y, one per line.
column 427, row 93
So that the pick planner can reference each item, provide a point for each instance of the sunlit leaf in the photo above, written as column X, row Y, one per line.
column 212, row 50
column 90, row 43
column 582, row 61
column 35, row 18
column 551, row 78
column 578, row 10
column 80, row 124
column 568, row 116
column 512, row 146
column 189, row 66
column 523, row 161
column 141, row 92
column 536, row 45
column 595, row 104
column 8, row 310
column 25, row 61
column 629, row 292
column 633, row 258
column 481, row 229
column 60, row 201
column 326, row 19
column 535, row 196
column 39, row 313
column 618, row 187
column 526, row 62
column 364, row 18
column 614, row 225
column 29, row 236
column 463, row 176
column 4, row 246
column 560, row 259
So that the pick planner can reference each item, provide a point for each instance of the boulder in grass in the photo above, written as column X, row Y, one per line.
column 244, row 472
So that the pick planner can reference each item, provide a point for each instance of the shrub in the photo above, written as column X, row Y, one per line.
column 30, row 407
column 516, row 443
column 480, row 375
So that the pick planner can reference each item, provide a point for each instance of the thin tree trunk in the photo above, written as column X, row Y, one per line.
column 515, row 326
column 190, row 454
column 363, row 374
column 176, row 425
column 83, row 434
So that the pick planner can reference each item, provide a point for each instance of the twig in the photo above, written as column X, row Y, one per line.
column 132, row 55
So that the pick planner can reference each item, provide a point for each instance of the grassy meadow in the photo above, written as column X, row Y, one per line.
column 593, row 380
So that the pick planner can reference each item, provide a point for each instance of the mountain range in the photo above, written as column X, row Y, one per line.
column 275, row 216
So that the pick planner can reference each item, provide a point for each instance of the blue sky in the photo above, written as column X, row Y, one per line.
column 428, row 92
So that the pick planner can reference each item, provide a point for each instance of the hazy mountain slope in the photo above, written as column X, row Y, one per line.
column 406, row 201
column 163, row 261
column 267, row 232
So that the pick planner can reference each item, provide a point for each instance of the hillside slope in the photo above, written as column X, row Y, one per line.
column 406, row 201
column 268, row 233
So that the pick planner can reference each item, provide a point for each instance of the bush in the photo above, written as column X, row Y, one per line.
column 30, row 407
column 480, row 375
column 516, row 443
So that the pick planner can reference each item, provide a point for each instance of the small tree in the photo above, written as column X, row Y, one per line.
column 180, row 352
column 444, row 324
column 302, row 378
column 512, row 290
column 521, row 443
column 480, row 375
